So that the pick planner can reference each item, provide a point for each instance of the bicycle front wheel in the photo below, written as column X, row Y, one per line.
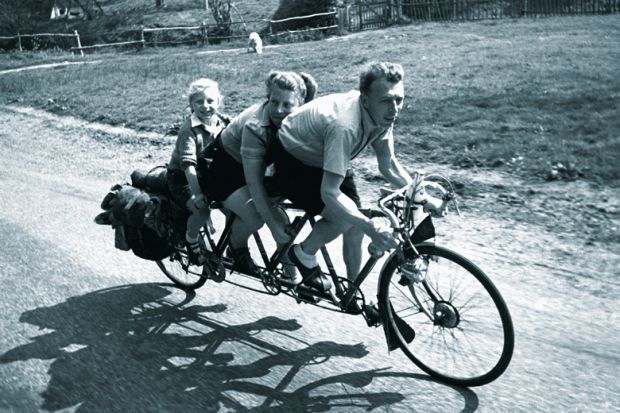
column 179, row 270
column 463, row 329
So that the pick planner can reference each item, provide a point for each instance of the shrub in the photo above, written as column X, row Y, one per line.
column 294, row 8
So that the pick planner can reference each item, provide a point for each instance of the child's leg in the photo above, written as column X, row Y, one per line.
column 195, row 221
column 290, row 271
column 246, row 223
column 210, row 226
column 248, row 220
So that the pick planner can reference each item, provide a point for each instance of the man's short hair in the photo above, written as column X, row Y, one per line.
column 392, row 72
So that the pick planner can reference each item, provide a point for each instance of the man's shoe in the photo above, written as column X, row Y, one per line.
column 242, row 261
column 312, row 277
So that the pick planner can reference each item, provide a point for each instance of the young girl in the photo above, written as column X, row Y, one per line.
column 198, row 131
column 245, row 154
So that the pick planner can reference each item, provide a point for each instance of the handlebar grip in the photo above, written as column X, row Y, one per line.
column 375, row 252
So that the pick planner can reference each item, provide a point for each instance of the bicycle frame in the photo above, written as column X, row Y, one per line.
column 271, row 263
column 401, row 226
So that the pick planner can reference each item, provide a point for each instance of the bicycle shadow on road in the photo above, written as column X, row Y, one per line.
column 146, row 348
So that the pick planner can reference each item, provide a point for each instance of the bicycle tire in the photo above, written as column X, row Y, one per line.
column 178, row 269
column 442, row 322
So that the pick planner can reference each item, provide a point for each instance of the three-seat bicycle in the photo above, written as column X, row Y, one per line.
column 437, row 306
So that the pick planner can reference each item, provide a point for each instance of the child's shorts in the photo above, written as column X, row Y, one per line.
column 224, row 176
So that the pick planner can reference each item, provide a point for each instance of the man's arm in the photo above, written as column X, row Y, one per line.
column 389, row 166
column 341, row 208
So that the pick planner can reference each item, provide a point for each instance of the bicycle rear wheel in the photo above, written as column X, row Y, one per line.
column 179, row 270
column 464, row 333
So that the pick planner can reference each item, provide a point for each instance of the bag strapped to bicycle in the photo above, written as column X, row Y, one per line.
column 142, row 214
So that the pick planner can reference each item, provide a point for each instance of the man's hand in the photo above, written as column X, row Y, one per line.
column 435, row 206
column 382, row 240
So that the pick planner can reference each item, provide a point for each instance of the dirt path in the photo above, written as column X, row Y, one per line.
column 558, row 277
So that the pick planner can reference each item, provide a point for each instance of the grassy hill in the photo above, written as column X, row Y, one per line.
column 534, row 96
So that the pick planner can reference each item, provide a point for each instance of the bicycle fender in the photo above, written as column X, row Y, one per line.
column 391, row 338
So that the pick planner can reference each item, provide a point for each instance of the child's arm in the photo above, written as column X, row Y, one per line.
column 253, row 153
column 198, row 200
column 186, row 144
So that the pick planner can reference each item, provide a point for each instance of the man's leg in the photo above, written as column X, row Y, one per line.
column 323, row 232
column 329, row 228
column 352, row 251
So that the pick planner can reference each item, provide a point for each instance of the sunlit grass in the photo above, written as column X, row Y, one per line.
column 516, row 94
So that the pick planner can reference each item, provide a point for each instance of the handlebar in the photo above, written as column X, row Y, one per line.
column 413, row 195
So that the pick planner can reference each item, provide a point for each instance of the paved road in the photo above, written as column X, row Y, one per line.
column 90, row 328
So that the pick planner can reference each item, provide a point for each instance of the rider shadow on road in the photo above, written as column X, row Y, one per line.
column 145, row 348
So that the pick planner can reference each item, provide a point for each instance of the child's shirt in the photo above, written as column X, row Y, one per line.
column 249, row 129
column 193, row 137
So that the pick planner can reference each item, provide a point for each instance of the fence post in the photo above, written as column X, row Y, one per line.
column 359, row 12
column 79, row 43
column 203, row 32
column 19, row 42
column 349, row 23
column 142, row 37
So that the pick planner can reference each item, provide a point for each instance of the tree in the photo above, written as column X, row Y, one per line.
column 294, row 8
column 221, row 14
column 16, row 16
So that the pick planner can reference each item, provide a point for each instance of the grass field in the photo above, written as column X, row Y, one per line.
column 524, row 95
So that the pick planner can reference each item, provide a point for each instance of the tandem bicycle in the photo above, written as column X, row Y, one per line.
column 438, row 307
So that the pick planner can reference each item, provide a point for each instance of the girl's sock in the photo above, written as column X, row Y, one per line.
column 307, row 260
column 194, row 243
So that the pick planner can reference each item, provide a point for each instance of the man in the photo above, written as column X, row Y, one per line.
column 317, row 143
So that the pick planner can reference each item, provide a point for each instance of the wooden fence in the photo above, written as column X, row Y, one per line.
column 36, row 38
column 498, row 9
column 165, row 36
column 362, row 15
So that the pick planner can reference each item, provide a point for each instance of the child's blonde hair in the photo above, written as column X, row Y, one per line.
column 200, row 85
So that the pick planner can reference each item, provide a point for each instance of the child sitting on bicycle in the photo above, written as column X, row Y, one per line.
column 196, row 133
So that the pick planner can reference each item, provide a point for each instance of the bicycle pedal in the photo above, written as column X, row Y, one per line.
column 306, row 298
